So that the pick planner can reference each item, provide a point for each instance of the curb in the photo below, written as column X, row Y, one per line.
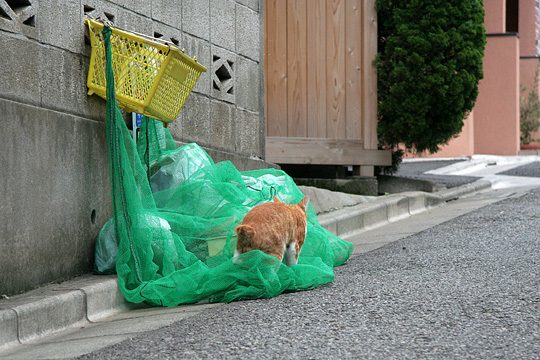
column 89, row 298
column 351, row 220
column 56, row 307
column 463, row 190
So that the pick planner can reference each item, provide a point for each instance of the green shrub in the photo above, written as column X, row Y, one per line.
column 429, row 65
column 529, row 107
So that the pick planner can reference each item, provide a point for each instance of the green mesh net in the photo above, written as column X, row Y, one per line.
column 174, row 214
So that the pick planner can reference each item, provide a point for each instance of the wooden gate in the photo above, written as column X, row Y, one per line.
column 320, row 83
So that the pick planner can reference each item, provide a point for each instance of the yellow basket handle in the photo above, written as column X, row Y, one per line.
column 108, row 23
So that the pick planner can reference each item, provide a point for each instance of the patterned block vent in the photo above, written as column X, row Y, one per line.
column 223, row 78
column 97, row 14
column 18, row 11
column 167, row 37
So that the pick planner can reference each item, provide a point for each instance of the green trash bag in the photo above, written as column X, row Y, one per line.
column 175, row 211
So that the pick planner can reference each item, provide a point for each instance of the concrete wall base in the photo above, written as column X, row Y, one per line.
column 353, row 185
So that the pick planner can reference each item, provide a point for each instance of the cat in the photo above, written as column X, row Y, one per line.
column 276, row 228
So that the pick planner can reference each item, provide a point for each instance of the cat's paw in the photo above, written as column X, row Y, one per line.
column 236, row 257
column 290, row 255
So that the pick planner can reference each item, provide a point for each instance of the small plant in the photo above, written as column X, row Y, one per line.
column 529, row 107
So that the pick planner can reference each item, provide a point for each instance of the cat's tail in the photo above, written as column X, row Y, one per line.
column 245, row 233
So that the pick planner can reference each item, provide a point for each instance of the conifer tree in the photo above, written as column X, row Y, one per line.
column 428, row 66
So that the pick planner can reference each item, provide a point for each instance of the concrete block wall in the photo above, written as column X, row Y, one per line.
column 55, row 189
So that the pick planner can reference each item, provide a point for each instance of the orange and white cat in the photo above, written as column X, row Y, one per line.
column 275, row 228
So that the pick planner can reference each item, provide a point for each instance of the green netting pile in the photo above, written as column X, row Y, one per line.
column 174, row 214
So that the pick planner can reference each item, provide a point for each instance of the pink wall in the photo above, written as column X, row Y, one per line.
column 495, row 18
column 527, row 68
column 494, row 129
column 527, row 27
column 496, row 114
column 462, row 145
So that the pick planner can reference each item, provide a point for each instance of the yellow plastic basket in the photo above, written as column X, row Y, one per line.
column 153, row 78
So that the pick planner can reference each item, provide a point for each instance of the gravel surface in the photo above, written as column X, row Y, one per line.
column 416, row 170
column 529, row 170
column 468, row 288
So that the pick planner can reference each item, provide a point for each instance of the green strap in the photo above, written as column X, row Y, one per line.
column 121, row 213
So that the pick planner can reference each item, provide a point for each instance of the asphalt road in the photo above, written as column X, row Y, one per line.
column 468, row 288
column 528, row 170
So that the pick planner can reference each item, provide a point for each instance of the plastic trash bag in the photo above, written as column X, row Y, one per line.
column 105, row 250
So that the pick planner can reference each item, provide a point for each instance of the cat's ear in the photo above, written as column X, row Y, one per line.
column 245, row 232
column 304, row 202
column 276, row 200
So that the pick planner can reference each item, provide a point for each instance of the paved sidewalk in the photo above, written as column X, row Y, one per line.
column 89, row 311
column 500, row 171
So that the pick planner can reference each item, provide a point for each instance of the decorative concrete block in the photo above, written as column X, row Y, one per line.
column 63, row 84
column 200, row 49
column 249, row 129
column 143, row 7
column 99, row 9
column 247, row 84
column 59, row 23
column 20, row 17
column 222, row 23
column 248, row 25
column 196, row 119
column 222, row 125
column 224, row 65
column 196, row 18
column 168, row 12
column 168, row 33
column 134, row 22
column 19, row 78
column 119, row 16
column 252, row 4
